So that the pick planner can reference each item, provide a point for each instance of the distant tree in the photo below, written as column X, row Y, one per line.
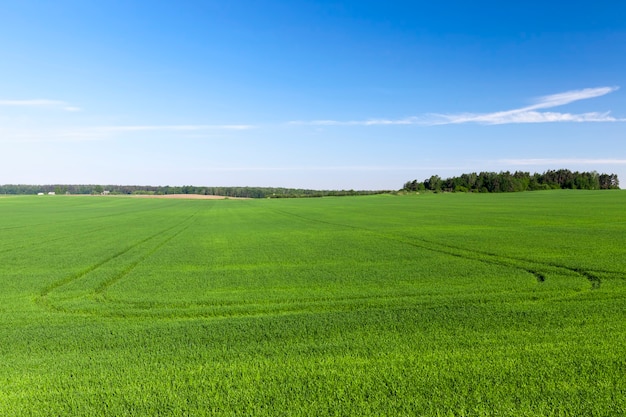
column 493, row 182
column 434, row 183
column 608, row 181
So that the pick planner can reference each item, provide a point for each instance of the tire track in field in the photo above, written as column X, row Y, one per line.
column 42, row 298
column 61, row 222
column 242, row 309
column 107, row 283
column 28, row 244
column 10, row 247
column 590, row 275
column 536, row 268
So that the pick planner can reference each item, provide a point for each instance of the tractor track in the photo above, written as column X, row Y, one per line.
column 536, row 268
column 42, row 298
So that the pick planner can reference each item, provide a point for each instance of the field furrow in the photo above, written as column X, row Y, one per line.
column 538, row 269
column 85, row 283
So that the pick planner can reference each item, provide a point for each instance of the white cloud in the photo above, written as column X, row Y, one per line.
column 563, row 161
column 81, row 134
column 55, row 104
column 522, row 117
column 527, row 114
column 332, row 168
column 140, row 128
column 370, row 122
column 567, row 97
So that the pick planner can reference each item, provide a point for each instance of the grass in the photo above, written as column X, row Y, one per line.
column 437, row 305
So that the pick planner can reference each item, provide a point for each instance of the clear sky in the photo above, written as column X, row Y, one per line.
column 308, row 94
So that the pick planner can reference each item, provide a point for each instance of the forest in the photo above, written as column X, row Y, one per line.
column 492, row 182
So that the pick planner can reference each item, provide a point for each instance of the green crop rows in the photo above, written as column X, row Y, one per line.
column 435, row 305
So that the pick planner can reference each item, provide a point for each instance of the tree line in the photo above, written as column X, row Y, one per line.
column 246, row 192
column 487, row 182
column 492, row 182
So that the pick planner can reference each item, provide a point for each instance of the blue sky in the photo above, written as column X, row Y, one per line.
column 308, row 94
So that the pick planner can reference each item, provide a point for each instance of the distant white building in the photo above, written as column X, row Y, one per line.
column 39, row 193
column 51, row 193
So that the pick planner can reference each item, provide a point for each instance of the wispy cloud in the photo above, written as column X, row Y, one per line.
column 54, row 104
column 563, row 161
column 153, row 128
column 370, row 122
column 331, row 168
column 95, row 133
column 527, row 114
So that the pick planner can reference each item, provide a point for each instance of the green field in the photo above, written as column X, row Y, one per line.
column 436, row 305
